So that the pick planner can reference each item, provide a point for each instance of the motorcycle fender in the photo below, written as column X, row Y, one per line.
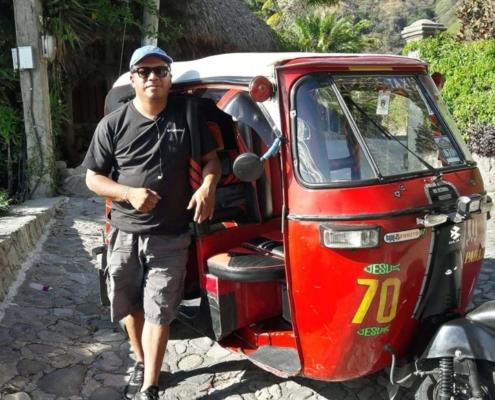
column 462, row 338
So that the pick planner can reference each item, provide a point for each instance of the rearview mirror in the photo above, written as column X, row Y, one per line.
column 248, row 167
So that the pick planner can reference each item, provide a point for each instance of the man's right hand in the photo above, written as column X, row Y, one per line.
column 143, row 199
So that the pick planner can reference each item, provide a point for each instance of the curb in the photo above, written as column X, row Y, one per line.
column 19, row 234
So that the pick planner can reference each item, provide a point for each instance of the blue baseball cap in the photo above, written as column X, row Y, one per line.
column 146, row 51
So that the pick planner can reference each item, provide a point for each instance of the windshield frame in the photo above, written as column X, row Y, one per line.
column 465, row 162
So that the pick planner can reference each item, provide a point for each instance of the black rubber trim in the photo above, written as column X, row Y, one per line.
column 263, row 244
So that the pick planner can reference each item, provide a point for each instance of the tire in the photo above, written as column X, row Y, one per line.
column 428, row 388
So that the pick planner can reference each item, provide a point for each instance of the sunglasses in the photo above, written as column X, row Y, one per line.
column 143, row 72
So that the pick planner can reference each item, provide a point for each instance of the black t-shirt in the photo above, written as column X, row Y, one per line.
column 131, row 148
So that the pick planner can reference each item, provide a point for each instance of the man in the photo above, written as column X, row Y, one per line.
column 139, row 157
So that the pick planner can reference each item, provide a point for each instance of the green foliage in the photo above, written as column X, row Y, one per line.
column 9, row 124
column 330, row 33
column 78, row 25
column 389, row 17
column 59, row 111
column 314, row 25
column 386, row 18
column 469, row 71
column 4, row 203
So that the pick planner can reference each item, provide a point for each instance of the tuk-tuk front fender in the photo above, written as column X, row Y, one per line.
column 462, row 338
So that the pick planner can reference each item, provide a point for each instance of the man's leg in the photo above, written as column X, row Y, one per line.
column 154, row 342
column 134, row 325
column 165, row 260
column 124, row 291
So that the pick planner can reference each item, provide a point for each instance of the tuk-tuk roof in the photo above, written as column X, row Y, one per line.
column 249, row 65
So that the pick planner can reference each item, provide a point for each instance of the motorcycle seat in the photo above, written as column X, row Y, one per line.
column 246, row 265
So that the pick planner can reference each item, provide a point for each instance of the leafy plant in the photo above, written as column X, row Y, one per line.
column 278, row 12
column 59, row 110
column 331, row 33
column 10, row 143
column 469, row 71
column 4, row 202
column 314, row 25
column 482, row 140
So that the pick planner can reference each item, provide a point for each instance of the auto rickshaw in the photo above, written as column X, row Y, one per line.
column 350, row 219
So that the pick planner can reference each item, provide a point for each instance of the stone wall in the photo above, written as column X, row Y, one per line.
column 19, row 234
column 487, row 169
column 73, row 181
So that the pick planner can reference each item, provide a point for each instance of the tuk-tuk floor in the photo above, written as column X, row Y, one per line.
column 58, row 343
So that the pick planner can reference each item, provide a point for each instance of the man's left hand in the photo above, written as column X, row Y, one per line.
column 203, row 200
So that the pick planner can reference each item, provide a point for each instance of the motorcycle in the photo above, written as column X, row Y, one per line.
column 350, row 220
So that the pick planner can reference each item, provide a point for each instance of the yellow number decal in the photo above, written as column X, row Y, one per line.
column 367, row 299
column 394, row 284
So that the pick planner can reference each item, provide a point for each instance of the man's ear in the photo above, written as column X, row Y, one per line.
column 131, row 78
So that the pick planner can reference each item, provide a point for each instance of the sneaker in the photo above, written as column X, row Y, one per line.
column 149, row 394
column 135, row 382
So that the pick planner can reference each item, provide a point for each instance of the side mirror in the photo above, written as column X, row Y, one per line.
column 248, row 167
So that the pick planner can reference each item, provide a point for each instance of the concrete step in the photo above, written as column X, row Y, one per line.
column 20, row 231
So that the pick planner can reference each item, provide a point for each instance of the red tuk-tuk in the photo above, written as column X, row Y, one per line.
column 350, row 220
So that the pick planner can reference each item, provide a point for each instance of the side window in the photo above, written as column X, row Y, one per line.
column 327, row 150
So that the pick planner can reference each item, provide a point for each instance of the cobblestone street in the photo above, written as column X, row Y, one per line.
column 56, row 340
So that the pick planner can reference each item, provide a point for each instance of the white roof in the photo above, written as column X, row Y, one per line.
column 249, row 65
column 245, row 65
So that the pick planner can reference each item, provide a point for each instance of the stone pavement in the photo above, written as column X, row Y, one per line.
column 56, row 341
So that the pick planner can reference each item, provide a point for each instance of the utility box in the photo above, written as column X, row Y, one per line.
column 22, row 57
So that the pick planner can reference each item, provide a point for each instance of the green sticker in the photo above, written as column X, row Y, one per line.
column 373, row 330
column 382, row 269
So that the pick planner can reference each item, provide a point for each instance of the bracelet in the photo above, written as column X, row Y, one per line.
column 126, row 194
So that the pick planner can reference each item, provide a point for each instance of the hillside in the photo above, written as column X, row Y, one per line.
column 389, row 17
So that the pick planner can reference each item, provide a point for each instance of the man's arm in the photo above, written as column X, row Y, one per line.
column 203, row 199
column 142, row 199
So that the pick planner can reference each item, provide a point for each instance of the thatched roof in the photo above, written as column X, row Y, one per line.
column 219, row 26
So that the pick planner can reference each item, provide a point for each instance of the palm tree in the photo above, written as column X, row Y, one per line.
column 330, row 32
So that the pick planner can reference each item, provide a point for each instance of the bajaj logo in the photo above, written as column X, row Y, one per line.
column 455, row 234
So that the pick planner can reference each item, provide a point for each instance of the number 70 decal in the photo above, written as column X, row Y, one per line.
column 390, row 285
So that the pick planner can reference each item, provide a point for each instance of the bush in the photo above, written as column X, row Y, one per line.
column 469, row 70
column 4, row 203
column 482, row 140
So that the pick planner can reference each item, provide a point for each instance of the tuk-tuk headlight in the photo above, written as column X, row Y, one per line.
column 469, row 204
column 349, row 236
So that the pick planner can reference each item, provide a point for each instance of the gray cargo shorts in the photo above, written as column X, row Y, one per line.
column 146, row 272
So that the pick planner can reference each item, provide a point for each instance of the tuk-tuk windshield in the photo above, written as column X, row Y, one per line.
column 345, row 124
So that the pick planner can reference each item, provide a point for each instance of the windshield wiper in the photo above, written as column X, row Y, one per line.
column 388, row 135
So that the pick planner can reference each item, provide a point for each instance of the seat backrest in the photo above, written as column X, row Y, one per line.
column 235, row 201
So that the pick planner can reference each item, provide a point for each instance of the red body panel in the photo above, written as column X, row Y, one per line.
column 342, row 315
column 345, row 305
column 327, row 285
